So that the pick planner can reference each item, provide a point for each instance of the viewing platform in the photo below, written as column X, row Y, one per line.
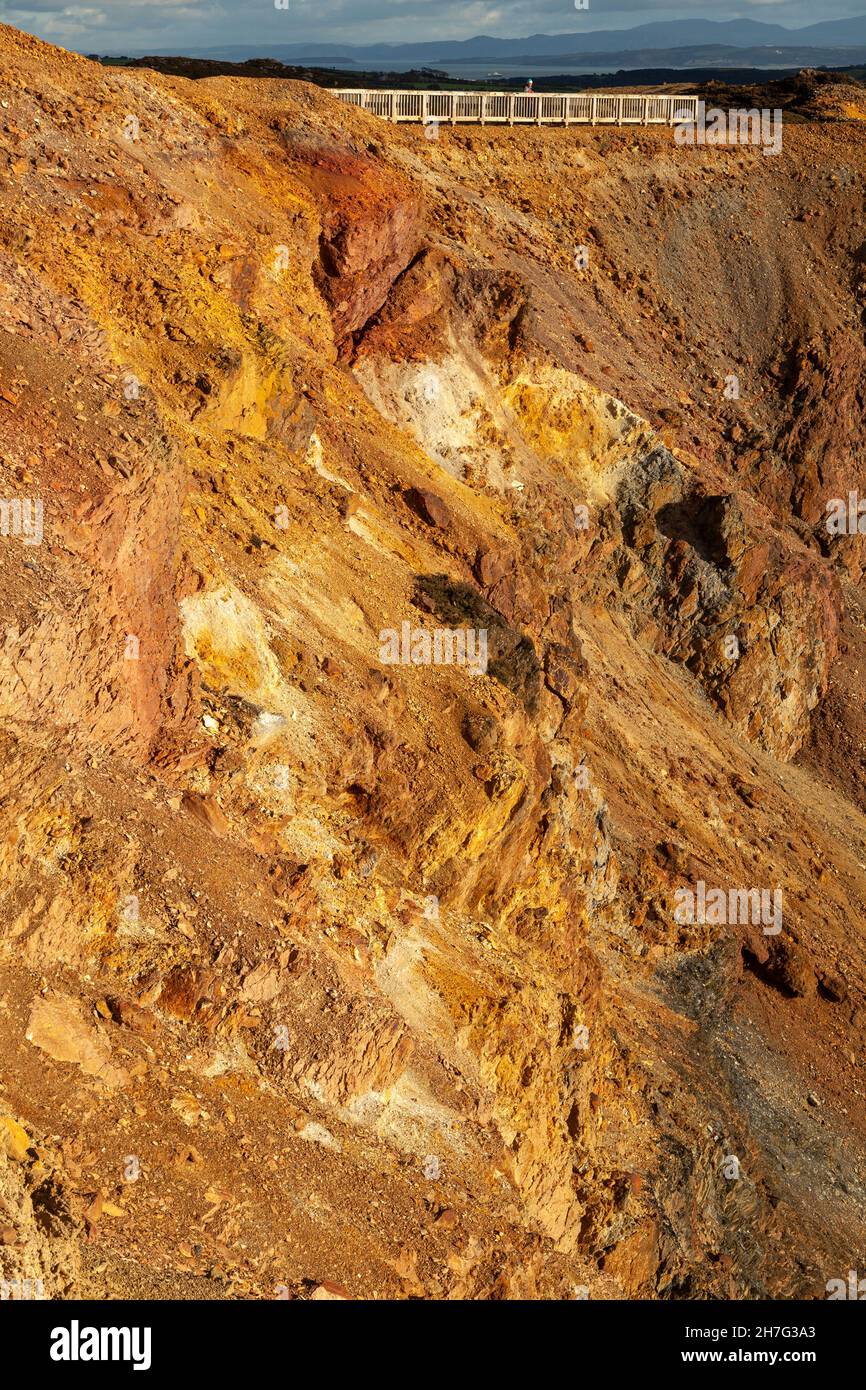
column 521, row 108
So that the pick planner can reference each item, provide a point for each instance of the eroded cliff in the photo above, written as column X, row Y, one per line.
column 329, row 974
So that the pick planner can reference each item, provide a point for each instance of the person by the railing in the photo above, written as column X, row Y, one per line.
column 529, row 86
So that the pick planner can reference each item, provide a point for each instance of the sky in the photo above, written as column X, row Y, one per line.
column 127, row 26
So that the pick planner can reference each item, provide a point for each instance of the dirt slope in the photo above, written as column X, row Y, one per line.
column 324, row 976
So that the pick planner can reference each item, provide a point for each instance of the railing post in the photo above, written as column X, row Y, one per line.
column 564, row 101
column 594, row 108
column 425, row 107
column 511, row 109
column 619, row 110
column 452, row 109
column 538, row 110
column 483, row 106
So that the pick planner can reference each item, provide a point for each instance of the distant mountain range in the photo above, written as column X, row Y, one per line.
column 663, row 37
column 717, row 56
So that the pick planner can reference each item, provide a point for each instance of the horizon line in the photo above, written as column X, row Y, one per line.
column 539, row 33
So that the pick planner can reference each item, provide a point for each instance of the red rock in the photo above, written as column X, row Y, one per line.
column 428, row 506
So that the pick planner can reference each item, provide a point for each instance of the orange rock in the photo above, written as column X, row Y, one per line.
column 207, row 810
column 328, row 1291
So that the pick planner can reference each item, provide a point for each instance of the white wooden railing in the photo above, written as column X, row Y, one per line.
column 522, row 108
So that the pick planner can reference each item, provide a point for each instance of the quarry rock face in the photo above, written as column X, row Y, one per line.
column 369, row 233
column 425, row 687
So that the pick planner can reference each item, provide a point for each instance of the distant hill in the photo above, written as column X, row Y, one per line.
column 717, row 56
column 657, row 38
column 797, row 91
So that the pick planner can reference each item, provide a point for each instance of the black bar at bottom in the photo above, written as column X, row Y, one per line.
column 62, row 1339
